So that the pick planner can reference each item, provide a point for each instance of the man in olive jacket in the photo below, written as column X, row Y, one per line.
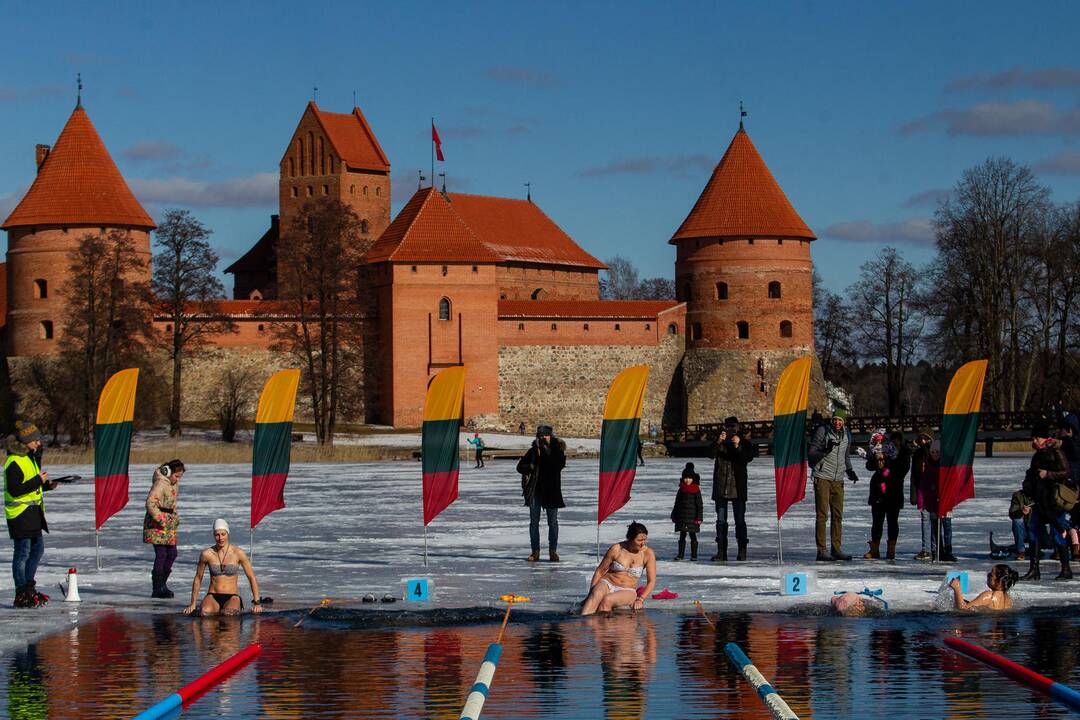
column 541, row 485
column 829, row 456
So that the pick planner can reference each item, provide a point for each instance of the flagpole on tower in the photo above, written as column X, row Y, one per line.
column 432, row 176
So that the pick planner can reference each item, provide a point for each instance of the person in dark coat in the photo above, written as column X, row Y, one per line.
column 541, row 485
column 687, row 512
column 920, row 455
column 889, row 463
column 24, row 508
column 1048, row 523
column 732, row 453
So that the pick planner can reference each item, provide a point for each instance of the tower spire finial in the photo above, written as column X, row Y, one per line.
column 742, row 114
column 78, row 96
column 528, row 191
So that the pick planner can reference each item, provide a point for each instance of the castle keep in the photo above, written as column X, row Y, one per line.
column 491, row 283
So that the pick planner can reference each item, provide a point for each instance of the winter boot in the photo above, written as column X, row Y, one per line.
column 742, row 551
column 552, row 555
column 890, row 550
column 534, row 556
column 923, row 555
column 840, row 555
column 155, row 580
column 39, row 598
column 693, row 548
column 20, row 597
column 1033, row 560
column 946, row 554
column 165, row 591
column 874, row 553
column 823, row 556
column 682, row 547
column 1066, row 570
column 721, row 551
column 1075, row 551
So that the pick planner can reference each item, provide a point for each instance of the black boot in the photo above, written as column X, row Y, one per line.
column 946, row 554
column 20, row 597
column 721, row 551
column 1066, row 570
column 38, row 598
column 682, row 546
column 742, row 550
column 155, row 579
column 1033, row 562
column 693, row 547
column 165, row 591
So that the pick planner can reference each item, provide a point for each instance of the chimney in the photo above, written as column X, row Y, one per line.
column 40, row 153
column 275, row 221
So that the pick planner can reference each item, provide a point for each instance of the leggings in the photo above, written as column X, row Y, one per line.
column 879, row 514
column 164, row 555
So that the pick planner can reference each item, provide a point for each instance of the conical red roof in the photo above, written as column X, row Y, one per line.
column 79, row 184
column 742, row 198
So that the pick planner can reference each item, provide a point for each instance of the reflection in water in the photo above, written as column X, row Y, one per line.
column 649, row 665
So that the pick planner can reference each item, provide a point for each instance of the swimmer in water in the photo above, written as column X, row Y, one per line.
column 225, row 560
column 1000, row 578
column 615, row 581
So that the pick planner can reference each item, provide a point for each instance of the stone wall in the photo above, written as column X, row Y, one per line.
column 566, row 385
column 721, row 383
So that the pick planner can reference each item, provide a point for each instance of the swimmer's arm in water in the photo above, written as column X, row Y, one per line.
column 984, row 599
column 255, row 596
column 605, row 564
column 196, row 585
column 650, row 570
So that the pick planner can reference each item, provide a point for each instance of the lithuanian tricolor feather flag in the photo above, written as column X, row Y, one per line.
column 959, row 425
column 273, row 443
column 789, row 434
column 443, row 410
column 619, row 439
column 112, row 444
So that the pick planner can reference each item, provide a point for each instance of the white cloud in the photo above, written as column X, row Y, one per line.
column 1066, row 162
column 1038, row 79
column 259, row 190
column 1022, row 117
column 918, row 230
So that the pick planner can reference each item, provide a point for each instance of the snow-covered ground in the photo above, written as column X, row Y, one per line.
column 352, row 529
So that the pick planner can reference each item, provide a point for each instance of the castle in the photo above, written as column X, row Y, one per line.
column 492, row 283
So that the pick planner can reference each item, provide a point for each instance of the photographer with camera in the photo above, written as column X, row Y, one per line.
column 732, row 452
column 160, row 523
column 829, row 457
column 541, row 485
column 24, row 508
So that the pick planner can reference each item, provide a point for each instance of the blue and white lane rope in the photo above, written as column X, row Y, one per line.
column 162, row 709
column 478, row 694
column 765, row 691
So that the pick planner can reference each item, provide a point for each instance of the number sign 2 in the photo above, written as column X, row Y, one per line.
column 793, row 583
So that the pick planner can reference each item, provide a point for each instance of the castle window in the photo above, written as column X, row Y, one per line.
column 325, row 189
column 364, row 227
column 586, row 326
column 536, row 293
column 168, row 328
column 311, row 153
column 785, row 328
column 310, row 190
column 331, row 164
column 672, row 329
column 292, row 167
column 502, row 296
column 553, row 327
column 617, row 326
column 695, row 331
column 744, row 329
column 352, row 189
column 750, row 241
column 475, row 269
column 45, row 330
column 322, row 156
column 365, row 189
column 444, row 309
column 521, row 326
column 780, row 241
column 648, row 326
column 300, row 153
column 445, row 270
column 41, row 289
column 721, row 291
column 413, row 268
column 774, row 290
column 378, row 192
column 262, row 328
column 295, row 191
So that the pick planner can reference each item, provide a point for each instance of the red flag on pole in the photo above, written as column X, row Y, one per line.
column 438, row 143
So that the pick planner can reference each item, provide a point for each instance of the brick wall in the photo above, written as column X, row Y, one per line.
column 518, row 281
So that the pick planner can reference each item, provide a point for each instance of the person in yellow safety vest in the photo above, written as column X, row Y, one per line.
column 24, row 508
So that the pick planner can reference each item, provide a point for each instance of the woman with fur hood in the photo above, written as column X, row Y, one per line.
column 160, row 523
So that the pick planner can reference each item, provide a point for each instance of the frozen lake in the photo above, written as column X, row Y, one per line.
column 355, row 529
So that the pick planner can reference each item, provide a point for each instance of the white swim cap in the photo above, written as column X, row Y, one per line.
column 220, row 524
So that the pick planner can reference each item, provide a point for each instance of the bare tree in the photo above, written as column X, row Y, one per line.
column 188, row 292
column 235, row 390
column 832, row 331
column 620, row 281
column 656, row 288
column 50, row 380
column 107, row 317
column 320, row 320
column 889, row 326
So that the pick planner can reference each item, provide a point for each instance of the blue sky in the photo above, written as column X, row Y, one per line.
column 615, row 112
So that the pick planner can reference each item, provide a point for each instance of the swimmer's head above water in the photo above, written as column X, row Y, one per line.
column 221, row 532
column 1001, row 577
column 637, row 534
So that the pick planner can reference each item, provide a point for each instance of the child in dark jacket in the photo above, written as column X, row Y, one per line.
column 687, row 512
column 1019, row 513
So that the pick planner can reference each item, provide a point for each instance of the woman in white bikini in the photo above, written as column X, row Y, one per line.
column 225, row 561
column 615, row 582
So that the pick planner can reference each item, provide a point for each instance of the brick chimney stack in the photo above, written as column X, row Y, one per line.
column 40, row 153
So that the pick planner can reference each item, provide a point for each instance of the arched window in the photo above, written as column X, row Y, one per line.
column 444, row 309
column 292, row 167
column 536, row 293
column 322, row 156
column 721, row 291
column 325, row 189
column 378, row 192
column 310, row 190
column 45, row 330
column 311, row 153
column 352, row 189
column 695, row 331
column 300, row 153
column 262, row 328
column 41, row 289
column 521, row 326
column 554, row 327
column 586, row 326
column 331, row 164
column 365, row 189
column 364, row 227
column 744, row 329
column 672, row 329
column 295, row 191
column 617, row 326
column 785, row 328
column 774, row 290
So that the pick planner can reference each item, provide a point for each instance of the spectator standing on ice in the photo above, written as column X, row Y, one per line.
column 889, row 461
column 477, row 442
column 828, row 455
column 732, row 453
column 940, row 528
column 1049, row 518
column 161, row 522
column 687, row 511
column 1019, row 515
column 920, row 454
column 541, row 484
column 1070, row 445
column 24, row 508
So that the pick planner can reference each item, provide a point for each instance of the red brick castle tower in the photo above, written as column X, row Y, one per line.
column 743, row 267
column 78, row 190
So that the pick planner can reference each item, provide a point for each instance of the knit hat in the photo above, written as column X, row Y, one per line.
column 544, row 430
column 731, row 420
column 1041, row 429
column 26, row 431
column 220, row 524
column 840, row 413
column 688, row 471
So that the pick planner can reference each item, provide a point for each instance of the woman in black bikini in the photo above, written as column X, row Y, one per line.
column 225, row 561
column 615, row 581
